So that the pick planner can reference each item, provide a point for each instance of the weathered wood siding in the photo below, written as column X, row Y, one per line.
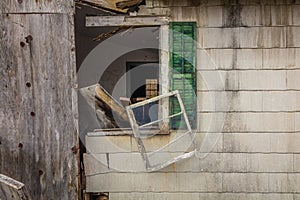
column 38, row 126
column 253, row 47
column 37, row 6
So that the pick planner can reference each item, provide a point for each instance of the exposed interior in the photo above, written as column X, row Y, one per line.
column 129, row 76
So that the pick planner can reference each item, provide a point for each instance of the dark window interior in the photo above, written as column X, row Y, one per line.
column 136, row 75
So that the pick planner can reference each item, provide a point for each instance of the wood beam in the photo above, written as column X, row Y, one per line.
column 94, row 21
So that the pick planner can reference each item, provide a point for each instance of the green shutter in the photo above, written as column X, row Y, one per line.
column 183, row 55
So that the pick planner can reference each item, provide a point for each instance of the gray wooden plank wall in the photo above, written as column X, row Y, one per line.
column 38, row 123
column 253, row 48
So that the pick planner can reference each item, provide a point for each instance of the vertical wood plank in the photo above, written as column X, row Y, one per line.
column 38, row 131
column 36, row 6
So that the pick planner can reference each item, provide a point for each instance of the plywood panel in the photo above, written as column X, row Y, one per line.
column 38, row 130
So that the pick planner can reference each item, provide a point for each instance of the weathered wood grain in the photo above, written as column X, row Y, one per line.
column 38, row 135
column 95, row 21
column 37, row 6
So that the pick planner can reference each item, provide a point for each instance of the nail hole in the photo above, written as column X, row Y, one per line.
column 22, row 44
column 28, row 84
column 28, row 39
column 74, row 149
column 41, row 172
column 20, row 145
column 20, row 1
column 32, row 114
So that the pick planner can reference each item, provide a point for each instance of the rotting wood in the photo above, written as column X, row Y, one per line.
column 11, row 189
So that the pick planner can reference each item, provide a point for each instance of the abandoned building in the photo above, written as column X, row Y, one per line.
column 150, row 99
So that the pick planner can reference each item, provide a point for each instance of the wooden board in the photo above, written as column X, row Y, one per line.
column 11, row 189
column 109, row 112
column 96, row 21
column 38, row 140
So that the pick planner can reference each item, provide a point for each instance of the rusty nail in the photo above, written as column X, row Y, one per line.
column 32, row 114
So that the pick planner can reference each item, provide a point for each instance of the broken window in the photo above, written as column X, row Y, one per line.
column 182, row 143
column 126, row 77
column 131, row 69
column 125, row 64
column 146, row 65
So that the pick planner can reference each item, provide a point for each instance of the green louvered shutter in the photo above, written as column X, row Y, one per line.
column 183, row 56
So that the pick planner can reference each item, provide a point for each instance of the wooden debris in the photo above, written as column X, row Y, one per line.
column 102, row 95
column 11, row 189
column 128, row 3
column 106, row 4
column 109, row 112
column 109, row 34
column 119, row 6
